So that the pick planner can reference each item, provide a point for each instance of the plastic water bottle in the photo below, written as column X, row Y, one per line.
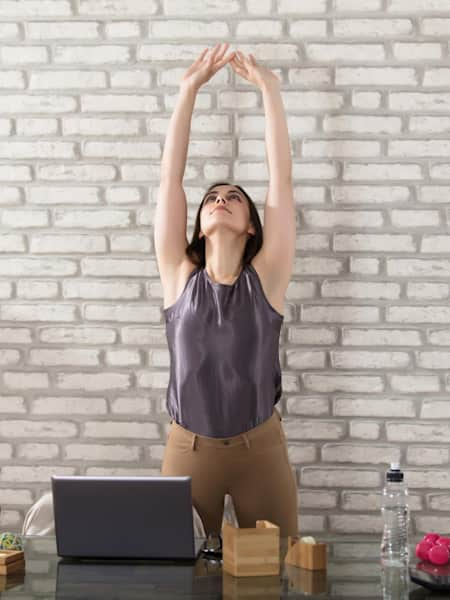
column 395, row 582
column 395, row 513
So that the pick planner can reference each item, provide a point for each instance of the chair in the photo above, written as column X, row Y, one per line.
column 39, row 519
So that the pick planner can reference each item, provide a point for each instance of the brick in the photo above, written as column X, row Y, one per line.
column 94, row 219
column 380, row 337
column 15, row 218
column 101, row 289
column 36, row 127
column 93, row 381
column 77, row 335
column 365, row 430
column 308, row 28
column 120, row 429
column 107, row 453
column 35, row 8
column 354, row 28
column 360, row 124
column 124, row 29
column 24, row 55
column 340, row 148
column 12, row 404
column 34, row 474
column 91, row 55
column 418, row 432
column 339, row 477
column 34, row 452
column 420, row 455
column 64, row 356
column 362, row 359
column 346, row 383
column 359, row 453
column 69, row 243
column 430, row 291
column 117, row 8
column 361, row 523
column 355, row 289
column 374, row 407
column 68, row 80
column 27, row 428
column 420, row 267
column 414, row 383
column 416, row 51
column 314, row 429
column 309, row 406
column 294, row 7
column 383, row 194
column 48, row 405
column 62, row 29
column 373, row 242
column 341, row 313
column 411, row 6
column 418, row 101
column 37, row 150
column 132, row 406
column 317, row 499
column 30, row 290
column 357, row 5
column 38, row 312
column 349, row 52
column 376, row 76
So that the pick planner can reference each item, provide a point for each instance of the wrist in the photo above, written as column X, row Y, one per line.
column 269, row 86
column 188, row 88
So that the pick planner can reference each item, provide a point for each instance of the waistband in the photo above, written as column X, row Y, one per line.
column 235, row 440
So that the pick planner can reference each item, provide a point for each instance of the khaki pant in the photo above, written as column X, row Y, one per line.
column 253, row 467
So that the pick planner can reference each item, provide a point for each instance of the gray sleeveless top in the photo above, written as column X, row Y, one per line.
column 225, row 375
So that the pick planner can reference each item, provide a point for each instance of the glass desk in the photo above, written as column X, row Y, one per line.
column 354, row 571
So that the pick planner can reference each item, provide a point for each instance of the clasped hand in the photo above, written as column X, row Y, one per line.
column 211, row 60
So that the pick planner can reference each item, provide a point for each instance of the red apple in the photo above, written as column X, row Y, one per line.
column 439, row 555
column 422, row 549
column 431, row 537
column 443, row 541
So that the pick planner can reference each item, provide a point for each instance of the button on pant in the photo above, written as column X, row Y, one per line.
column 253, row 467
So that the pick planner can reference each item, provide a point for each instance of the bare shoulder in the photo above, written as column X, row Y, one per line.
column 274, row 286
column 174, row 281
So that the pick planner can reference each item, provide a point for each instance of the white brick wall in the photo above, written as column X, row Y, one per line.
column 86, row 93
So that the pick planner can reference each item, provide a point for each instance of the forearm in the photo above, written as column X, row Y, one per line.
column 176, row 144
column 277, row 135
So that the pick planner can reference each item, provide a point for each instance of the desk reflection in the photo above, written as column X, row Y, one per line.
column 353, row 571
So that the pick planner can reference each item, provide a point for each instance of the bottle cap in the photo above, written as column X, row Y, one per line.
column 394, row 473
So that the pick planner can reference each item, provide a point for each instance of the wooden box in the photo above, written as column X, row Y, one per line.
column 306, row 556
column 11, row 561
column 251, row 551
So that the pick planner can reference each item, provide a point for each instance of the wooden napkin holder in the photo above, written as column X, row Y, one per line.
column 251, row 551
column 307, row 556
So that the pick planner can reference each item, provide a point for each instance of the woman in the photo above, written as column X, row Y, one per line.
column 223, row 298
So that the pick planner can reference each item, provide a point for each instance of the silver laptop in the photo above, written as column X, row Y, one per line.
column 124, row 517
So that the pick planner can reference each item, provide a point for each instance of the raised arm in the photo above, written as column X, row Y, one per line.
column 278, row 250
column 171, row 210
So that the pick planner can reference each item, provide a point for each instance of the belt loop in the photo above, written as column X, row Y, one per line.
column 247, row 442
column 194, row 437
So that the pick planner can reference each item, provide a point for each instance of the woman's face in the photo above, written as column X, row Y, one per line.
column 225, row 206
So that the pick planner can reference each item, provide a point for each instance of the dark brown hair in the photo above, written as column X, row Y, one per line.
column 196, row 248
